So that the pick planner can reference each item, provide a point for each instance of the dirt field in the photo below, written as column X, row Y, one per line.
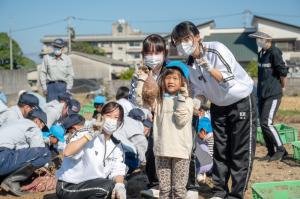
column 262, row 171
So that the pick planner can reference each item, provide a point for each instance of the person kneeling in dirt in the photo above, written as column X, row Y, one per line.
column 22, row 150
column 93, row 159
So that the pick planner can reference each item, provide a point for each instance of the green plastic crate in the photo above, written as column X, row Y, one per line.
column 287, row 134
column 260, row 137
column 296, row 149
column 276, row 190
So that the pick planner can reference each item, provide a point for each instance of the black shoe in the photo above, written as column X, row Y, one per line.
column 266, row 157
column 12, row 182
column 13, row 187
column 278, row 155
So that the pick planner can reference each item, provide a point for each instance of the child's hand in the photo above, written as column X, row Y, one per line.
column 202, row 134
column 184, row 90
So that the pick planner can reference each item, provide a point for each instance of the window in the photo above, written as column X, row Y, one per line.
column 297, row 45
column 134, row 44
column 120, row 28
column 120, row 48
column 285, row 45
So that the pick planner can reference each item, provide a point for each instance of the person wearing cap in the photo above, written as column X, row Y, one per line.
column 93, row 165
column 215, row 74
column 54, row 136
column 22, row 149
column 122, row 99
column 132, row 135
column 57, row 110
column 99, row 101
column 272, row 74
column 172, row 130
column 25, row 104
column 56, row 75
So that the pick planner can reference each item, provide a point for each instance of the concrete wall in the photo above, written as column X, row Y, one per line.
column 12, row 81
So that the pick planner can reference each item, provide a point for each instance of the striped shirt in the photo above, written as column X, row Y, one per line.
column 236, row 83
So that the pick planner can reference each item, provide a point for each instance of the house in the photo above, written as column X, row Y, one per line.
column 124, row 44
column 89, row 70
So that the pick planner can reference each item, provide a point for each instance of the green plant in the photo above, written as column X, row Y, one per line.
column 252, row 68
column 127, row 74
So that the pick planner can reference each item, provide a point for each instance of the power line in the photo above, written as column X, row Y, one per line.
column 159, row 20
column 277, row 15
column 39, row 26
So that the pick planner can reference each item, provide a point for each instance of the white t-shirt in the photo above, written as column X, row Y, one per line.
column 236, row 83
column 97, row 159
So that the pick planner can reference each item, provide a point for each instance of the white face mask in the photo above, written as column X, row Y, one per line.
column 186, row 48
column 152, row 61
column 110, row 125
column 261, row 43
column 57, row 51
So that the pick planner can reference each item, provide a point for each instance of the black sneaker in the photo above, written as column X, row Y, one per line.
column 266, row 158
column 278, row 155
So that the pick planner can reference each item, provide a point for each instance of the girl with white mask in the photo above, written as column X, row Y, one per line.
column 216, row 74
column 93, row 164
column 154, row 54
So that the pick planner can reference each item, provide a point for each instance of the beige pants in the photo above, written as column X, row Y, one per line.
column 173, row 175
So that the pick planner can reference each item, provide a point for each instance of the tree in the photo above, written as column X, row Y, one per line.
column 18, row 58
column 86, row 47
column 252, row 68
column 127, row 74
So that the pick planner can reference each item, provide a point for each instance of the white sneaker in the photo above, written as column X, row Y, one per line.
column 154, row 193
column 201, row 177
column 190, row 194
column 215, row 197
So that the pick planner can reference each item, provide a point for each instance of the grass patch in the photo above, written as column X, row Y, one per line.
column 285, row 113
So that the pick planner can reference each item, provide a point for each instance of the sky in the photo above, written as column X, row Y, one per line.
column 30, row 20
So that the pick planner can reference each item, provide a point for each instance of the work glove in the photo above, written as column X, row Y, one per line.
column 204, row 63
column 96, row 128
column 196, row 106
column 119, row 191
column 142, row 73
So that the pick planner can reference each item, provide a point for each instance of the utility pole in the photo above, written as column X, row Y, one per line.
column 69, row 35
column 247, row 14
column 10, row 49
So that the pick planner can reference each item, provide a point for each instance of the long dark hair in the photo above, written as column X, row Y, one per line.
column 183, row 30
column 110, row 107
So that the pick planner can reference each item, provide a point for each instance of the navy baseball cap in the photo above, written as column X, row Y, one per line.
column 58, row 43
column 137, row 114
column 28, row 99
column 72, row 120
column 40, row 114
column 73, row 106
column 64, row 97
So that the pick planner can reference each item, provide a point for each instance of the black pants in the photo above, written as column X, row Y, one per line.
column 267, row 111
column 150, row 162
column 91, row 189
column 234, row 129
